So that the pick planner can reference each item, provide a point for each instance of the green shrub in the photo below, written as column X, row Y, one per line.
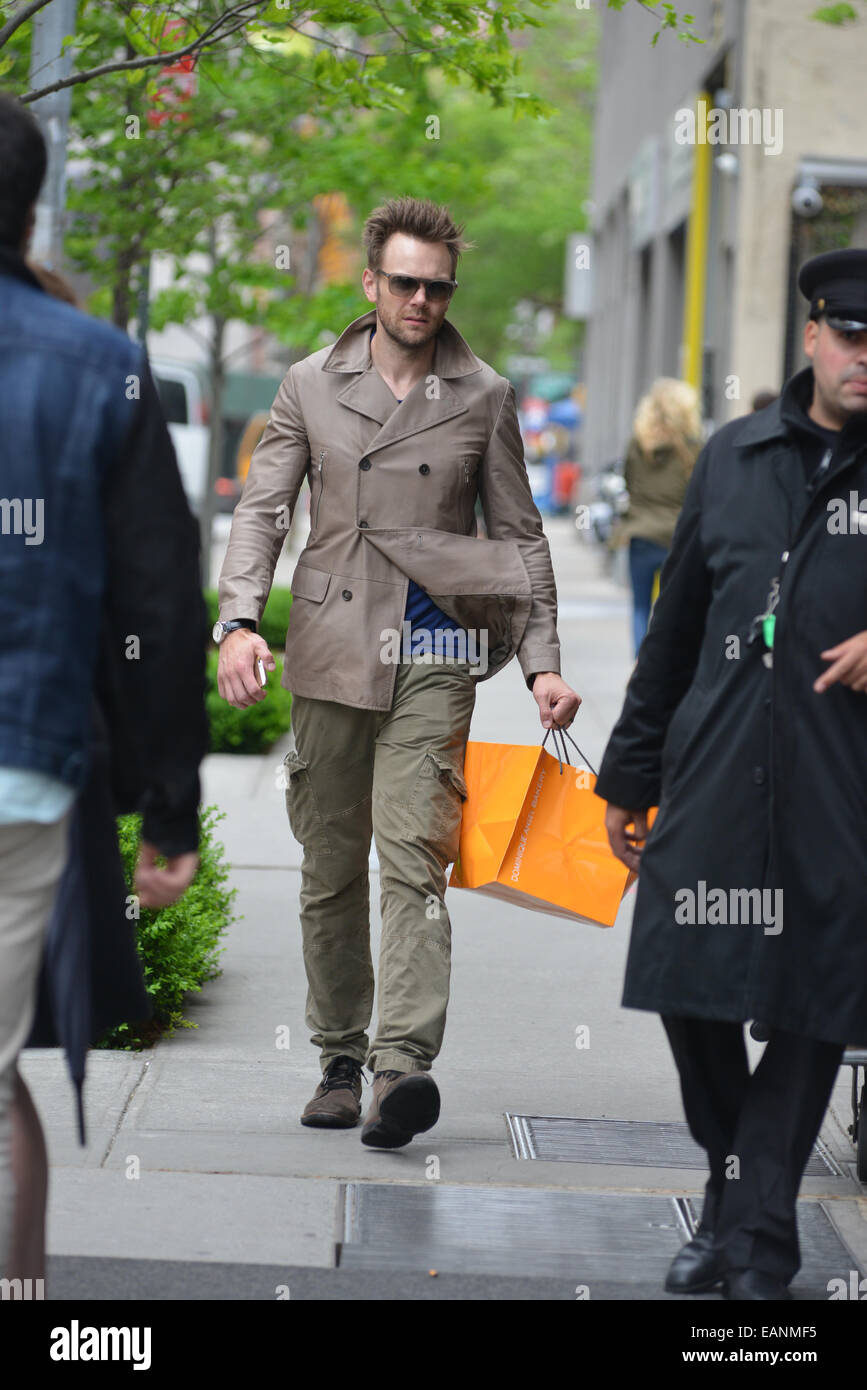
column 251, row 730
column 274, row 620
column 177, row 945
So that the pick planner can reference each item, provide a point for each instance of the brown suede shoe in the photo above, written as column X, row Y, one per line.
column 336, row 1103
column 403, row 1104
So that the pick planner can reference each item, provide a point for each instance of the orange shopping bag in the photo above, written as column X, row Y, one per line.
column 533, row 833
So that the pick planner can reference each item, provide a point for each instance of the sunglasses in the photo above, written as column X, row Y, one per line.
column 405, row 286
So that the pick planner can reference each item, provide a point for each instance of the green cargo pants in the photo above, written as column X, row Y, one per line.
column 397, row 773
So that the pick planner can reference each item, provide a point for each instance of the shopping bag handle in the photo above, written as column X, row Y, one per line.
column 555, row 729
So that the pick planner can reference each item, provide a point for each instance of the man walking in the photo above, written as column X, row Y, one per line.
column 100, row 594
column 746, row 721
column 398, row 608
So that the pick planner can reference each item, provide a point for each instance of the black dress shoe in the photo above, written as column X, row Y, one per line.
column 754, row 1285
column 696, row 1268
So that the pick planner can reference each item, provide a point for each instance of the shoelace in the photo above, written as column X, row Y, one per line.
column 342, row 1073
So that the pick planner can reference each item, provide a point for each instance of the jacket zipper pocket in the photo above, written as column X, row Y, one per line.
column 323, row 456
column 469, row 470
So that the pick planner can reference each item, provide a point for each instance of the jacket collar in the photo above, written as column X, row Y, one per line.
column 366, row 392
column 12, row 263
column 769, row 423
column 777, row 421
column 351, row 353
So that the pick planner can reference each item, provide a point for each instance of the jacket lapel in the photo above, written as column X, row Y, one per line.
column 430, row 402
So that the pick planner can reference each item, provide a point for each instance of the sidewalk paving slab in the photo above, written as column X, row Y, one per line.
column 232, row 1182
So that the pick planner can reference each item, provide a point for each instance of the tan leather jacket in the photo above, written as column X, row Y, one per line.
column 393, row 491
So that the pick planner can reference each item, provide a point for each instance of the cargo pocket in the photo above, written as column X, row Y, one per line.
column 305, row 819
column 436, row 806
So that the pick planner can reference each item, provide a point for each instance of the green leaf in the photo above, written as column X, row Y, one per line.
column 835, row 14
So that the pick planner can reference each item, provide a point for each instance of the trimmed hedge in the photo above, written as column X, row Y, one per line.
column 274, row 620
column 177, row 945
column 251, row 730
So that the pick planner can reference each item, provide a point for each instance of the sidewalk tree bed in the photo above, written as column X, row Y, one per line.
column 178, row 945
column 257, row 728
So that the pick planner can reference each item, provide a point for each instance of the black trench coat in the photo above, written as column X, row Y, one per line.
column 760, row 782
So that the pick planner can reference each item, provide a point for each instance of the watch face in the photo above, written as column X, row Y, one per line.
column 217, row 633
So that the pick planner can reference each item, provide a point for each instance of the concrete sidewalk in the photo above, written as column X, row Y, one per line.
column 196, row 1154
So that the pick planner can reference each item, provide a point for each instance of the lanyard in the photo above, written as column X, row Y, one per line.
column 767, row 620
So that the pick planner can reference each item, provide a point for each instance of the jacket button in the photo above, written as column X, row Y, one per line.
column 362, row 523
column 424, row 468
column 758, row 776
column 365, row 464
column 347, row 593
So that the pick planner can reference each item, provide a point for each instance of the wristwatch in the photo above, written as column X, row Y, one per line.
column 222, row 630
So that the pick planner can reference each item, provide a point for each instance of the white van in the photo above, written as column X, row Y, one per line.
column 183, row 395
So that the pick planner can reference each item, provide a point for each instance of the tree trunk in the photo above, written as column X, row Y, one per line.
column 121, row 294
column 215, row 446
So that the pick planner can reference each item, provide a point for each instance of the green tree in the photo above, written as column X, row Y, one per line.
column 202, row 180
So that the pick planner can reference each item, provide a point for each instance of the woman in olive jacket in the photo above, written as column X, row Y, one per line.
column 666, row 439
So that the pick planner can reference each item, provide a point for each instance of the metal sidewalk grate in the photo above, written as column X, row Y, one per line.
column 586, row 1237
column 517, row 1231
column 634, row 1143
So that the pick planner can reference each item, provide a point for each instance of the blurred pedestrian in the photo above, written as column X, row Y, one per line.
column 762, row 399
column 102, row 642
column 666, row 438
column 745, row 722
column 53, row 283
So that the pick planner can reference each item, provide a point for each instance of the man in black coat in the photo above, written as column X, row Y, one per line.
column 745, row 722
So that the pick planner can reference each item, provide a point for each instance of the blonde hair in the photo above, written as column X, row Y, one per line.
column 668, row 417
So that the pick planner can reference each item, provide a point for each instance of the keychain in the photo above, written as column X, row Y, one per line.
column 767, row 621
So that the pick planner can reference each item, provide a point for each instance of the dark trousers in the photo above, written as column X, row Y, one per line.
column 645, row 558
column 758, row 1130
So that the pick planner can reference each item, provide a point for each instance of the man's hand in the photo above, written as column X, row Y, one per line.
column 159, row 887
column 237, row 673
column 850, row 665
column 625, row 844
column 557, row 701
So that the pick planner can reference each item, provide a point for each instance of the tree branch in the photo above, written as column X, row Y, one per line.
column 21, row 17
column 198, row 45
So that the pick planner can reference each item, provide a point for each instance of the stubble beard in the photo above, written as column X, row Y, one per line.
column 404, row 336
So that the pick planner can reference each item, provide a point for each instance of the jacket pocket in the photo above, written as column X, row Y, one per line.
column 436, row 806
column 305, row 818
column 686, row 722
column 310, row 583
column 319, row 464
column 470, row 468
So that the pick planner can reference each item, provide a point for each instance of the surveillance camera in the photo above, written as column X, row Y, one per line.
column 807, row 200
column 727, row 164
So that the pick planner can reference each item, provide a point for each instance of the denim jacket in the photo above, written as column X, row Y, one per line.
column 97, row 547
